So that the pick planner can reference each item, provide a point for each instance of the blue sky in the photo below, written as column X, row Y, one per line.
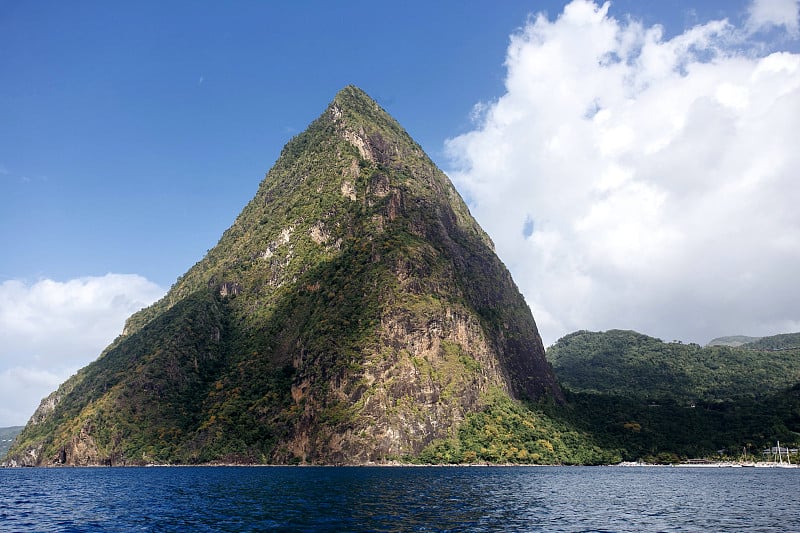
column 132, row 134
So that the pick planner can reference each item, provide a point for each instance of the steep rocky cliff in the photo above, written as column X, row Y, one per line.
column 354, row 312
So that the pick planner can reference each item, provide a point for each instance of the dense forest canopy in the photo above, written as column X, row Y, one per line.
column 654, row 399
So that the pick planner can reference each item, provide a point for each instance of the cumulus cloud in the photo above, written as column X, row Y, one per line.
column 49, row 329
column 635, row 181
column 766, row 14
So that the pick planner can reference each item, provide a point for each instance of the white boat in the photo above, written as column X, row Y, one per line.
column 779, row 463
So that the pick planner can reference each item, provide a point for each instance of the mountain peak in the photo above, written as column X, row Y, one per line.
column 376, row 135
column 352, row 105
column 352, row 96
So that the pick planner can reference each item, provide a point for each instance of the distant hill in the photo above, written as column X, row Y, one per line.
column 784, row 341
column 733, row 341
column 7, row 436
column 662, row 400
column 629, row 364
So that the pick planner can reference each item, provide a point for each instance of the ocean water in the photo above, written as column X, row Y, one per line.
column 399, row 499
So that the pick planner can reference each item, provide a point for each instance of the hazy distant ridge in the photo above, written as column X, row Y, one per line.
column 7, row 436
column 784, row 341
column 734, row 341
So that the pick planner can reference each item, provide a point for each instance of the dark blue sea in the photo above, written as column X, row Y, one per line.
column 399, row 499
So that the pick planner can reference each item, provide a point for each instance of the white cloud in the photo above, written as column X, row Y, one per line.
column 22, row 390
column 766, row 14
column 50, row 329
column 658, row 175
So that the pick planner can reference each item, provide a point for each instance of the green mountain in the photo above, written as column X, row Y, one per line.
column 648, row 398
column 354, row 312
column 629, row 364
column 7, row 436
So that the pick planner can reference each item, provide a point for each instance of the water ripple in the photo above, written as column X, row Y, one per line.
column 479, row 499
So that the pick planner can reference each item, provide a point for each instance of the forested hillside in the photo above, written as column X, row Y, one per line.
column 654, row 399
column 786, row 341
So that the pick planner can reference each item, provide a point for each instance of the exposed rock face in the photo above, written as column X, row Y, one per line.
column 353, row 313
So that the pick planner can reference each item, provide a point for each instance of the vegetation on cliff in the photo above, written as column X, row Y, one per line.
column 510, row 432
